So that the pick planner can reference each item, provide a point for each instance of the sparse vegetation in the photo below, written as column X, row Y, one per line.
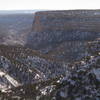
column 59, row 59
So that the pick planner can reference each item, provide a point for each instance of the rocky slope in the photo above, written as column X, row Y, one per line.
column 64, row 34
column 80, row 82
column 58, row 58
column 50, row 31
column 20, row 66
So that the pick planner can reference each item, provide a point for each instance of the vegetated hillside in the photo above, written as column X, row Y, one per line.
column 64, row 34
column 20, row 66
column 80, row 82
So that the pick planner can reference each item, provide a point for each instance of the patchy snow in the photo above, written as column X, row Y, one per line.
column 10, row 79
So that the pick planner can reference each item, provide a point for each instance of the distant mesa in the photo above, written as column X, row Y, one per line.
column 64, row 34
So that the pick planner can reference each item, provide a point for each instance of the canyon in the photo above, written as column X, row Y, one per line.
column 50, row 55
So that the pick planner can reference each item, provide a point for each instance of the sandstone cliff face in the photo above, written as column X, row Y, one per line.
column 64, row 34
column 67, row 20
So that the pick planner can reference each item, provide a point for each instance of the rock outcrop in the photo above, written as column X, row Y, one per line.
column 81, row 82
column 64, row 34
column 84, row 20
column 65, row 62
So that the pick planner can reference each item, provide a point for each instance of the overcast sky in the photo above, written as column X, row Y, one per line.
column 48, row 4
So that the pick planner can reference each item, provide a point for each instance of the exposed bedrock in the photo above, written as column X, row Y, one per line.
column 64, row 34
